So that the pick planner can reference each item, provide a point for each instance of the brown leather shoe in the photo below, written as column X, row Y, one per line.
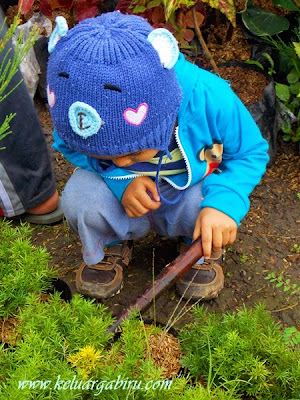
column 202, row 281
column 105, row 279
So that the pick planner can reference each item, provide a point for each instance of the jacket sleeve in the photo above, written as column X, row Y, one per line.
column 117, row 183
column 244, row 158
column 118, row 186
column 75, row 158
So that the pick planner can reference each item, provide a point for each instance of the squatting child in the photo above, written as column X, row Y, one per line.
column 160, row 144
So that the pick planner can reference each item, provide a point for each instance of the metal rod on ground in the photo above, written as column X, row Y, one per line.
column 168, row 276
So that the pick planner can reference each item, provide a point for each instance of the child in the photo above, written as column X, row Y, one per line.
column 160, row 144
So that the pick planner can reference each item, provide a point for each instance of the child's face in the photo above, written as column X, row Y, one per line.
column 125, row 160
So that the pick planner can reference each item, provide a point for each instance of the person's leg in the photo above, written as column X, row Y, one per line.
column 26, row 177
column 93, row 211
column 178, row 220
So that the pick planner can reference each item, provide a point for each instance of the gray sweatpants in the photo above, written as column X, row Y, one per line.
column 92, row 210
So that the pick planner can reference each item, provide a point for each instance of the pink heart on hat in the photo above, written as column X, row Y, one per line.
column 51, row 97
column 136, row 117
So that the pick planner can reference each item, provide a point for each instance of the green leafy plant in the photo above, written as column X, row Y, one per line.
column 289, row 93
column 183, row 18
column 10, row 64
column 295, row 248
column 289, row 5
column 49, row 331
column 244, row 258
column 243, row 352
column 288, row 90
column 176, row 15
column 61, row 342
column 292, row 335
column 64, row 351
column 263, row 23
column 286, row 284
column 24, row 268
column 226, row 7
column 271, row 70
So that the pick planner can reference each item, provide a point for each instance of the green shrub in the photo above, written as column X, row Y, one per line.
column 289, row 94
column 244, row 352
column 24, row 268
column 48, row 333
column 234, row 355
column 288, row 91
column 66, row 340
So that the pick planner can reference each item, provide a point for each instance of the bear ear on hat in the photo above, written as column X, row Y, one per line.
column 166, row 46
column 59, row 31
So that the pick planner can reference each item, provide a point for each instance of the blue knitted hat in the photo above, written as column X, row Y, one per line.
column 112, row 88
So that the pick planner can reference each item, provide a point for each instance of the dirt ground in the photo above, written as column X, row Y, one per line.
column 264, row 244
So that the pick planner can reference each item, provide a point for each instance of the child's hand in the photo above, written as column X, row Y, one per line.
column 137, row 201
column 216, row 230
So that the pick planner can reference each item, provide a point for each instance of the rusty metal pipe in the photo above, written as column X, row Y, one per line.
column 168, row 276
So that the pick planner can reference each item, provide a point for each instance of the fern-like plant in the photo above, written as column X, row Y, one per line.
column 243, row 352
column 10, row 64
column 24, row 268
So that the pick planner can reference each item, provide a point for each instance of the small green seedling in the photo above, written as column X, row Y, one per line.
column 296, row 249
column 286, row 284
column 244, row 258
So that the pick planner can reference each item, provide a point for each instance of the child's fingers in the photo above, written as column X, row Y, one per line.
column 232, row 237
column 132, row 213
column 151, row 205
column 225, row 239
column 150, row 185
column 197, row 230
column 217, row 239
column 206, row 238
column 129, row 212
column 137, row 208
column 147, row 202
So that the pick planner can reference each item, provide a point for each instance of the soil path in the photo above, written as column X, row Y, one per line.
column 264, row 244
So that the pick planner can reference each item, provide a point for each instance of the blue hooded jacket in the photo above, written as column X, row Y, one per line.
column 218, row 139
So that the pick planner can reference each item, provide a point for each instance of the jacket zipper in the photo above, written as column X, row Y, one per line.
column 187, row 164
